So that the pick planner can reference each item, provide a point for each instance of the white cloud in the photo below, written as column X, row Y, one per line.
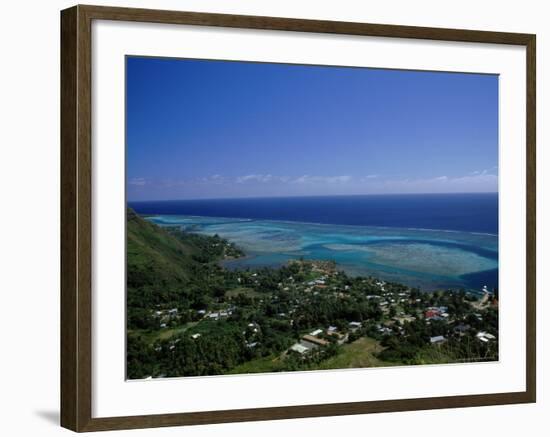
column 339, row 179
column 307, row 179
column 482, row 178
column 254, row 178
column 137, row 181
column 304, row 179
column 484, row 171
column 214, row 179
column 444, row 184
column 259, row 184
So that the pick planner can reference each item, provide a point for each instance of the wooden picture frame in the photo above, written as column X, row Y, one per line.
column 76, row 218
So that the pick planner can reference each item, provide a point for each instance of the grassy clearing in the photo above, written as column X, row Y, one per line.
column 248, row 292
column 259, row 365
column 165, row 334
column 360, row 353
column 161, row 334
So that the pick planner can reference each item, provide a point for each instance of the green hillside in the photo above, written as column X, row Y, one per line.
column 155, row 257
column 169, row 268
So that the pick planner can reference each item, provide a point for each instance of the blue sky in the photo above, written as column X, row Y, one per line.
column 216, row 129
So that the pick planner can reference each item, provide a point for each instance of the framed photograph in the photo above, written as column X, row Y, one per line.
column 269, row 218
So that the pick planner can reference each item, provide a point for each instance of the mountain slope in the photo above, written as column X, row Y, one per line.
column 168, row 268
column 155, row 257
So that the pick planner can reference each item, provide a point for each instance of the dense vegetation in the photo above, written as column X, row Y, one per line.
column 187, row 315
column 169, row 268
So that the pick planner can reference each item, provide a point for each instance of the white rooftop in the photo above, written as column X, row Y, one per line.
column 297, row 347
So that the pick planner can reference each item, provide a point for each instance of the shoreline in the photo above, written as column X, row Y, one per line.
column 227, row 264
column 413, row 278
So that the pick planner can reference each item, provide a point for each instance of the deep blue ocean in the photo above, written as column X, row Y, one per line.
column 458, row 212
column 431, row 241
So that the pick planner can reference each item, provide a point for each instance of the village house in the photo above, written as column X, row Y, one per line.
column 315, row 340
column 436, row 313
column 298, row 348
column 340, row 338
column 303, row 347
column 485, row 337
column 461, row 329
column 438, row 340
column 405, row 318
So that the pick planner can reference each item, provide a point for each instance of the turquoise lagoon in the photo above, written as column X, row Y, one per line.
column 424, row 258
